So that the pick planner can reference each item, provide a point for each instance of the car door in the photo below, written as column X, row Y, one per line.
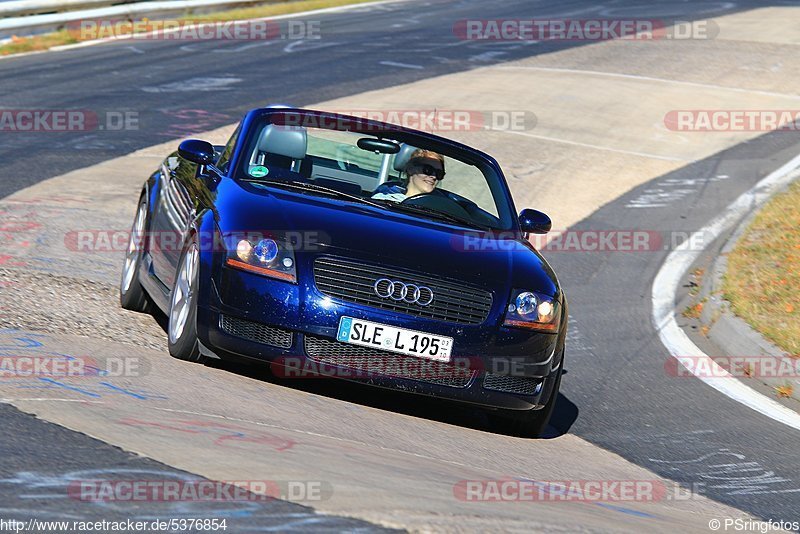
column 176, row 209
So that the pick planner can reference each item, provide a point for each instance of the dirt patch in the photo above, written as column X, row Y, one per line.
column 64, row 305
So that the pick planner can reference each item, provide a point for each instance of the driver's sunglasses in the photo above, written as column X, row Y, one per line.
column 428, row 170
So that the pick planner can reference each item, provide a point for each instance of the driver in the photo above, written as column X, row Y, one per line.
column 425, row 168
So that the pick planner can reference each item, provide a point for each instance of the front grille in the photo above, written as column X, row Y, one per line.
column 353, row 282
column 260, row 333
column 521, row 385
column 385, row 363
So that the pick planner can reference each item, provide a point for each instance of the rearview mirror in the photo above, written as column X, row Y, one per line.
column 534, row 222
column 378, row 145
column 197, row 151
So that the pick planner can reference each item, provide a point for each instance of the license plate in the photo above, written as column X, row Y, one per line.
column 391, row 338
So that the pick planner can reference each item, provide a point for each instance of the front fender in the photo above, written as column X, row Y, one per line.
column 204, row 228
column 151, row 188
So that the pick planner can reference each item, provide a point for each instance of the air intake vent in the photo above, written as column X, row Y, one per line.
column 260, row 333
column 381, row 362
column 521, row 385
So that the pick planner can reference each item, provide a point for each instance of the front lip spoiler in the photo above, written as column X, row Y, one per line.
column 205, row 351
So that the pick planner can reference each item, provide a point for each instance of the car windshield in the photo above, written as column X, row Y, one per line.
column 389, row 169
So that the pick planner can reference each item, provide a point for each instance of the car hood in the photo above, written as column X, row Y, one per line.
column 323, row 225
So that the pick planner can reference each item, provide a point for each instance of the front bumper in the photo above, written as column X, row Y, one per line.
column 294, row 326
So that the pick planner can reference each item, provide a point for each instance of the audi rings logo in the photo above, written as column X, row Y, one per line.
column 400, row 291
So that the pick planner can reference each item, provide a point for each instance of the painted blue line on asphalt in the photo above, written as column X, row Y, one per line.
column 28, row 342
column 71, row 388
column 624, row 510
column 122, row 390
column 15, row 353
column 615, row 508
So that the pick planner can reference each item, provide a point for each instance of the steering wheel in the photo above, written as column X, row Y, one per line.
column 441, row 203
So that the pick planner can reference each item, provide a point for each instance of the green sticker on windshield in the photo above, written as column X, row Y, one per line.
column 259, row 171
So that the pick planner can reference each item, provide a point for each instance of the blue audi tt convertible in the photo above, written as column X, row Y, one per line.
column 328, row 245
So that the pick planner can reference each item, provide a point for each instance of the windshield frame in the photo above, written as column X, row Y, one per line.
column 255, row 120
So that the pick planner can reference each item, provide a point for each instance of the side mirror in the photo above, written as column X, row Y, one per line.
column 197, row 151
column 534, row 222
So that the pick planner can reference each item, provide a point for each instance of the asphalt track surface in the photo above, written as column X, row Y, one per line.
column 615, row 394
column 149, row 78
column 37, row 484
column 623, row 395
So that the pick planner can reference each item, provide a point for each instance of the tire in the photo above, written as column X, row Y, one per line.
column 182, row 326
column 132, row 295
column 527, row 423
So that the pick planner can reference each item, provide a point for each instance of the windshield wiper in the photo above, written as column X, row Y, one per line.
column 441, row 215
column 306, row 186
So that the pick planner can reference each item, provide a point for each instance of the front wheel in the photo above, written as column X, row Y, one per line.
column 132, row 295
column 527, row 423
column 182, row 328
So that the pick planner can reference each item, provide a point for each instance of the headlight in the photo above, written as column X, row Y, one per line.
column 268, row 256
column 532, row 310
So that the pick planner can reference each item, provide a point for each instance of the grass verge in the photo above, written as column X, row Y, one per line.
column 46, row 41
column 763, row 273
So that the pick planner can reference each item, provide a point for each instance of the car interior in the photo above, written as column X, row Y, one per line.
column 346, row 168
